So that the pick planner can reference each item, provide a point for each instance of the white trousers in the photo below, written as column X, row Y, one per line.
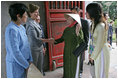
column 77, row 67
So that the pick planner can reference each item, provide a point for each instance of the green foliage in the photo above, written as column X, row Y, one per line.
column 113, row 10
column 114, row 37
column 110, row 7
column 115, row 23
column 109, row 20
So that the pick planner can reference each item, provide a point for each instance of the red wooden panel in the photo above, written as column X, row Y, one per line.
column 60, row 60
column 51, row 4
column 64, row 4
column 75, row 3
column 71, row 4
column 57, row 15
column 83, row 7
column 78, row 4
column 57, row 19
column 56, row 4
column 60, row 3
column 49, row 34
column 59, row 10
column 67, row 4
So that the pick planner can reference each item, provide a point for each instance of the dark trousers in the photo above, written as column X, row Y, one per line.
column 111, row 41
column 81, row 61
column 116, row 39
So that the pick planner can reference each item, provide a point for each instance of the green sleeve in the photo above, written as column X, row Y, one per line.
column 81, row 37
column 60, row 40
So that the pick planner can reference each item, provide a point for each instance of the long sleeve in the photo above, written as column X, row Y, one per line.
column 60, row 40
column 16, row 53
column 30, row 55
column 85, row 29
column 30, row 58
column 32, row 35
column 99, row 41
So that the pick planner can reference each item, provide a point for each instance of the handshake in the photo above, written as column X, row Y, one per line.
column 51, row 40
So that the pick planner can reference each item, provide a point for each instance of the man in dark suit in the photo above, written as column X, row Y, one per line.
column 85, row 29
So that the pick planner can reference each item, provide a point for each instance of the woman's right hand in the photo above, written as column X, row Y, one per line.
column 27, row 70
column 28, row 67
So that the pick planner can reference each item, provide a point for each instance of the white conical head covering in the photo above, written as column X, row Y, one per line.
column 74, row 16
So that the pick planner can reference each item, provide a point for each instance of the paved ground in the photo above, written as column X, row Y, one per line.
column 58, row 73
column 33, row 72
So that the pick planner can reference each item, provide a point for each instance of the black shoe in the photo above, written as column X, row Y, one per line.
column 43, row 73
column 88, row 63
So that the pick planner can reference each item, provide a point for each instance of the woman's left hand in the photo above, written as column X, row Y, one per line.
column 44, row 50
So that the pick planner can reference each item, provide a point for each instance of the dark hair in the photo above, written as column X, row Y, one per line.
column 111, row 21
column 32, row 8
column 75, row 8
column 105, row 14
column 95, row 12
column 17, row 8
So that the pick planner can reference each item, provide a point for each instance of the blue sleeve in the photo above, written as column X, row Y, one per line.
column 16, row 53
column 30, row 59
